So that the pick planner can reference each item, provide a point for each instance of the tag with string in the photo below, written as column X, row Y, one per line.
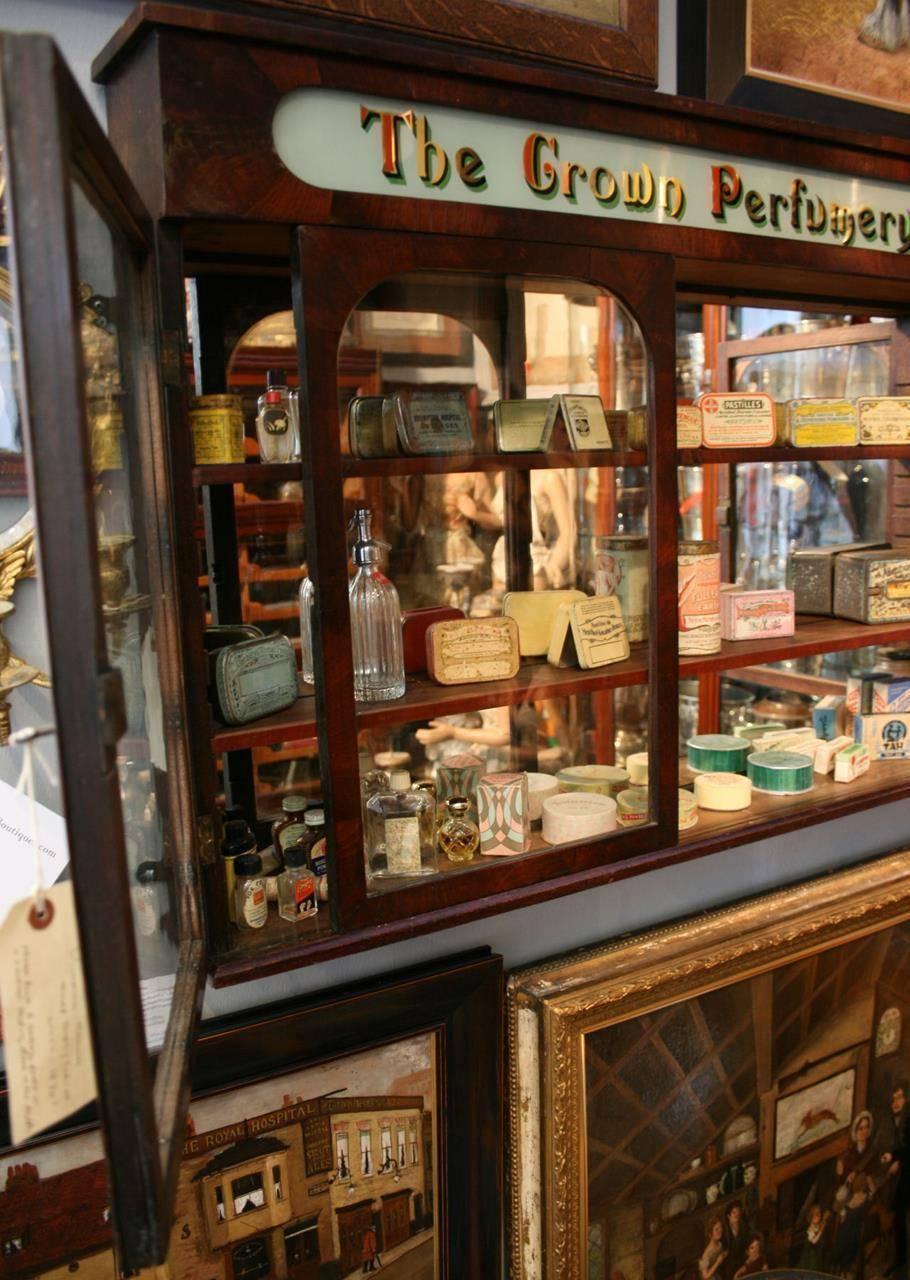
column 47, row 1040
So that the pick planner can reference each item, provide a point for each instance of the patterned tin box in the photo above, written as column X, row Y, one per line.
column 810, row 574
column 502, row 814
column 872, row 586
column 745, row 615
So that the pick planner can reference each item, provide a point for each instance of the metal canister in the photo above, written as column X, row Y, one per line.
column 699, row 597
column 621, row 570
column 217, row 425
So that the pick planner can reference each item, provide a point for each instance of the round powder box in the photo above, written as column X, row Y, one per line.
column 781, row 773
column 637, row 764
column 723, row 792
column 607, row 779
column 632, row 806
column 540, row 787
column 576, row 816
column 688, row 810
column 717, row 753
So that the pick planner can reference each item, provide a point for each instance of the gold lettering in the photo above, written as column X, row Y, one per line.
column 638, row 188
column 596, row 179
column 672, row 197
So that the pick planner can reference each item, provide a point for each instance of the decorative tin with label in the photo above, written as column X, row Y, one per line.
column 430, row 422
column 688, row 426
column 502, row 814
column 745, row 615
column 365, row 429
column 255, row 678
column 699, row 597
column 590, row 632
column 217, row 425
column 883, row 419
column 812, row 423
column 621, row 570
column 810, row 574
column 473, row 650
column 534, row 613
column 872, row 586
column 737, row 420
column 522, row 426
column 584, row 420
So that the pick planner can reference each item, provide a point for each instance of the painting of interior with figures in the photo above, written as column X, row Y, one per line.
column 762, row 1127
column 321, row 1174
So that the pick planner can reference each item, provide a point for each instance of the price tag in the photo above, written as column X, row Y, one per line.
column 47, row 1042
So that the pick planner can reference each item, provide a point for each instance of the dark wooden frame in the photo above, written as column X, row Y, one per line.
column 729, row 76
column 51, row 138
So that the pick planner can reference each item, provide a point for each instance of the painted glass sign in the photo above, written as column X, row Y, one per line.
column 341, row 141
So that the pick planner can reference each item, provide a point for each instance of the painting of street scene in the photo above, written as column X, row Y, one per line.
column 763, row 1127
column 321, row 1174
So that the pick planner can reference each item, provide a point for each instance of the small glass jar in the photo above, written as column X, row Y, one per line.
column 297, row 899
column 274, row 420
column 459, row 837
column 401, row 830
column 251, row 905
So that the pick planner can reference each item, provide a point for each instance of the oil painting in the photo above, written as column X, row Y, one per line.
column 319, row 1174
column 736, row 1087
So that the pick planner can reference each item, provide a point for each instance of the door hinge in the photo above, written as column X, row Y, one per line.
column 205, row 838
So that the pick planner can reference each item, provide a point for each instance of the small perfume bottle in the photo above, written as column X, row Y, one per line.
column 459, row 837
column 290, row 827
column 274, row 420
column 306, row 600
column 375, row 620
column 251, row 904
column 401, row 830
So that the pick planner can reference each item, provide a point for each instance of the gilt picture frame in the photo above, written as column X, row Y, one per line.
column 651, row 1081
column 326, row 1137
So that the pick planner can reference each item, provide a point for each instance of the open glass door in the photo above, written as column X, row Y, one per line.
column 82, row 466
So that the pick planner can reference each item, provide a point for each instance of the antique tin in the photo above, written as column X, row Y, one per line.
column 502, row 814
column 699, row 597
column 604, row 779
column 255, row 678
column 217, row 425
column 365, row 429
column 415, row 623
column 429, row 422
column 522, row 426
column 812, row 423
column 780, row 773
column 883, row 419
column 535, row 613
column 737, row 420
column 628, row 428
column 621, row 570
column 472, row 650
column 584, row 421
column 872, row 586
column 688, row 426
column 590, row 632
column 632, row 807
column 567, row 818
column 810, row 574
column 745, row 615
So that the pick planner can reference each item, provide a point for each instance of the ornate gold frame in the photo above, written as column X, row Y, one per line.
column 552, row 1006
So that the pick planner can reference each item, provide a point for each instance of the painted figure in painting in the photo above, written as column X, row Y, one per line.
column 762, row 1126
column 887, row 26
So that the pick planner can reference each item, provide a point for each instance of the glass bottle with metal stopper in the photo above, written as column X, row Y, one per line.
column 459, row 837
column 375, row 620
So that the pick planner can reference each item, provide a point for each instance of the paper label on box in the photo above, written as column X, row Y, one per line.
column 521, row 425
column 821, row 422
column 889, row 590
column 883, row 420
column 756, row 613
column 439, row 424
column 599, row 631
column 46, row 1036
column 402, row 844
column 737, row 420
column 688, row 426
column 473, row 650
column 887, row 736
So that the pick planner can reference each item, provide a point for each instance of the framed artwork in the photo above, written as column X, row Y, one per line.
column 706, row 1101
column 617, row 38
column 343, row 1136
column 837, row 62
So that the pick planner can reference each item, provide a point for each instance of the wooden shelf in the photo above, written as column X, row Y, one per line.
column 788, row 453
column 247, row 473
column 535, row 681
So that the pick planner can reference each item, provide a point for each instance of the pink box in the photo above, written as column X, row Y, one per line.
column 750, row 615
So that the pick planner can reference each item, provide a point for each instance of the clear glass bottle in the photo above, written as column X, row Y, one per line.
column 251, row 905
column 290, row 827
column 459, row 837
column 274, row 420
column 375, row 620
column 401, row 830
column 306, row 599
column 297, row 899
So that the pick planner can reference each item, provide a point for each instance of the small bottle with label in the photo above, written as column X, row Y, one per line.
column 459, row 837
column 238, row 839
column 274, row 420
column 401, row 830
column 251, row 906
column 290, row 827
column 297, row 899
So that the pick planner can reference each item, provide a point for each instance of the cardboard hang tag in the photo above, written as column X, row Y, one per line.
column 47, row 1041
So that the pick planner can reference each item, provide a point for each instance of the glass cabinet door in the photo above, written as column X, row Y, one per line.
column 82, row 467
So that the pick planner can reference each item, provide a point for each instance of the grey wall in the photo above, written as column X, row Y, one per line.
column 80, row 27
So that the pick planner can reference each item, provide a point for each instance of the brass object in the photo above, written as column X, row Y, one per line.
column 116, row 605
column 13, row 673
column 552, row 1007
column 17, row 561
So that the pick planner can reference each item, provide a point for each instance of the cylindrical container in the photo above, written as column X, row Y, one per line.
column 251, row 906
column 632, row 807
column 540, row 787
column 717, row 753
column 567, row 818
column 637, row 764
column 621, row 570
column 699, row 597
column 781, row 773
column 603, row 779
column 723, row 792
column 217, row 426
column 688, row 810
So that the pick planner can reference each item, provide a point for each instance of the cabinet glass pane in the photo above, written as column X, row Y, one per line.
column 129, row 579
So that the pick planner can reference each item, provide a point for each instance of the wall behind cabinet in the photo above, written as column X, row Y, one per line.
column 80, row 28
